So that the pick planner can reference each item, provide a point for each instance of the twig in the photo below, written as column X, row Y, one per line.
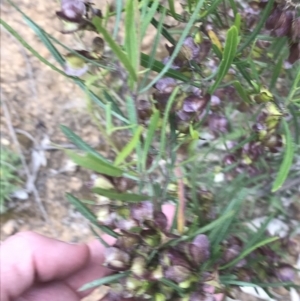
column 26, row 169
column 181, row 200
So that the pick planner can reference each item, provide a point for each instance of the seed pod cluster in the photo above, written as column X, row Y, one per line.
column 143, row 251
column 263, row 263
column 267, row 139
column 283, row 21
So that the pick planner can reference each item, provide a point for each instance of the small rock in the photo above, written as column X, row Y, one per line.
column 10, row 227
column 75, row 184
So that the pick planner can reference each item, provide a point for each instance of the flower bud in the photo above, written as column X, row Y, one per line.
column 116, row 260
column 177, row 273
column 98, row 45
column 72, row 10
column 142, row 211
column 264, row 96
column 285, row 273
column 199, row 249
column 280, row 22
column 217, row 123
column 75, row 65
column 138, row 266
column 151, row 237
column 159, row 297
column 193, row 104
column 105, row 217
column 294, row 53
column 295, row 30
column 157, row 273
column 127, row 242
column 132, row 284
column 144, row 109
column 166, row 85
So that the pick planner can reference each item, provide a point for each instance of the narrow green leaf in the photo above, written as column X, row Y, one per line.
column 211, row 8
column 205, row 229
column 102, row 241
column 158, row 67
column 165, row 121
column 164, row 31
column 248, row 251
column 172, row 8
column 233, row 6
column 154, row 48
column 41, row 34
column 241, row 91
column 127, row 150
column 82, row 208
column 171, row 284
column 287, row 159
column 257, row 236
column 220, row 233
column 119, row 7
column 184, row 34
column 275, row 73
column 237, row 21
column 127, row 197
column 28, row 47
column 80, row 143
column 259, row 26
column 228, row 56
column 103, row 281
column 89, row 215
column 94, row 163
column 295, row 87
column 153, row 124
column 250, row 284
column 115, row 48
column 150, row 14
column 131, row 34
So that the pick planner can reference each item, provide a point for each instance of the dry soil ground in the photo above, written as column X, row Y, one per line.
column 38, row 100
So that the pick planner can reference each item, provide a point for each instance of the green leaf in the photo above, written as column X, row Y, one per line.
column 89, row 215
column 153, row 124
column 132, row 43
column 94, row 163
column 228, row 56
column 172, row 8
column 115, row 48
column 287, row 159
column 158, row 66
column 103, row 281
column 127, row 150
column 28, row 47
column 119, row 6
column 237, row 21
column 220, row 233
column 247, row 252
column 127, row 197
column 165, row 121
column 148, row 17
column 241, row 91
column 82, row 208
column 80, row 143
column 164, row 31
column 276, row 73
column 171, row 284
column 40, row 33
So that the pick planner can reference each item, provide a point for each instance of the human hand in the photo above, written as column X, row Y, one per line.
column 37, row 268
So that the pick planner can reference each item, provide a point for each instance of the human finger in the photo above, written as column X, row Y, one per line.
column 28, row 258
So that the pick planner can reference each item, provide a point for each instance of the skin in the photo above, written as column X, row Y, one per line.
column 35, row 267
